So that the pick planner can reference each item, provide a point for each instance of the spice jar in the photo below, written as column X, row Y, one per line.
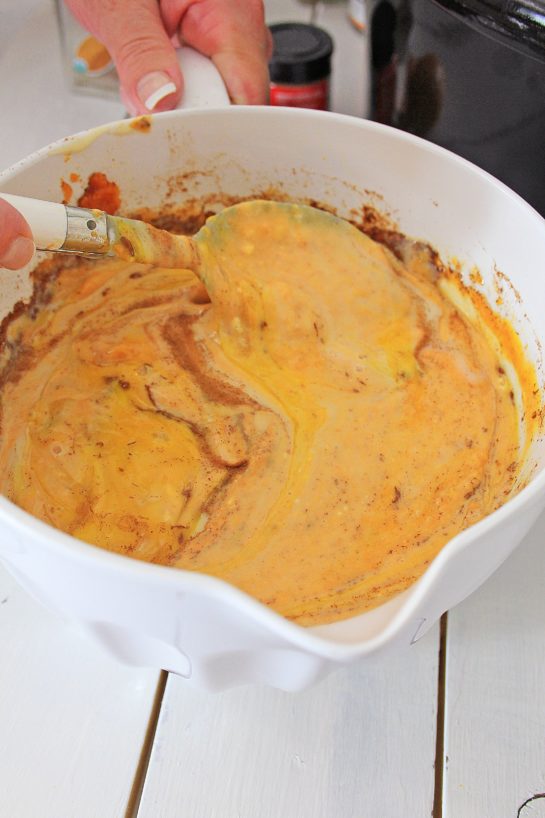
column 300, row 66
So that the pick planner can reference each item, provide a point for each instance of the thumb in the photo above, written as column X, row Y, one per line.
column 143, row 54
column 16, row 245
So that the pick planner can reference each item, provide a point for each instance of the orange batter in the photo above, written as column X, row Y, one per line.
column 314, row 435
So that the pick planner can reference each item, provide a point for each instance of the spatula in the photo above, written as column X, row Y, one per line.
column 94, row 234
column 232, row 245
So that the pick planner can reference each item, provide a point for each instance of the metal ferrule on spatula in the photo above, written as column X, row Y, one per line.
column 87, row 232
column 64, row 228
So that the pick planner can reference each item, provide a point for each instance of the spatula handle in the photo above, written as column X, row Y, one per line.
column 63, row 227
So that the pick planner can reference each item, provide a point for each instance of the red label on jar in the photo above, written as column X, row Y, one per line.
column 314, row 95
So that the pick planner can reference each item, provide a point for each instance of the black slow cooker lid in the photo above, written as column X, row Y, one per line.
column 520, row 23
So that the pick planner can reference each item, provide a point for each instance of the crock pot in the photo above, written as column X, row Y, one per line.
column 198, row 626
column 468, row 75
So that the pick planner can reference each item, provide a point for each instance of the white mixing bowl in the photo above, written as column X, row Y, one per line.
column 198, row 626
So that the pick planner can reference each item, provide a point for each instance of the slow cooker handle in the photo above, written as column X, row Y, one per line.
column 520, row 25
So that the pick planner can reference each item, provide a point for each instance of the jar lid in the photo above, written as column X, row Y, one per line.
column 302, row 53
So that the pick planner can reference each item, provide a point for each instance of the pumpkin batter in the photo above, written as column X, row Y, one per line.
column 313, row 430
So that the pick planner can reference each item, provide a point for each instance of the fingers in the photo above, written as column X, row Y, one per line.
column 145, row 59
column 245, row 73
column 16, row 244
column 233, row 34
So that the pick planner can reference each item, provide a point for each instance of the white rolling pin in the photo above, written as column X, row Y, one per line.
column 63, row 228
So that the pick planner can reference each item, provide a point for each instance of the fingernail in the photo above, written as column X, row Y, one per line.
column 18, row 253
column 153, row 88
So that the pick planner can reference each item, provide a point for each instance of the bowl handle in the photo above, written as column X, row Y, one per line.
column 203, row 83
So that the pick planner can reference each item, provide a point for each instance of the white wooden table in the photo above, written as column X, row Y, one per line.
column 453, row 727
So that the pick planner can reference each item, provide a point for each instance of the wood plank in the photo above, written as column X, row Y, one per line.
column 72, row 719
column 360, row 744
column 494, row 763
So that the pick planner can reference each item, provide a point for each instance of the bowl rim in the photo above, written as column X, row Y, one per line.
column 305, row 638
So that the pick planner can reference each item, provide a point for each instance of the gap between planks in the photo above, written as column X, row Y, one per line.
column 437, row 810
column 135, row 795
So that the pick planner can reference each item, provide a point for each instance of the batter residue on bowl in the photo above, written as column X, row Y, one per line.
column 314, row 439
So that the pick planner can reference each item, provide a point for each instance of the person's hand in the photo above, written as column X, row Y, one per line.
column 138, row 34
column 16, row 244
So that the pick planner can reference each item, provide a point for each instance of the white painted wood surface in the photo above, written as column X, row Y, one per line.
column 495, row 692
column 361, row 744
column 72, row 721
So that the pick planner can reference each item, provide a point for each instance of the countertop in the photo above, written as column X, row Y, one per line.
column 452, row 727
